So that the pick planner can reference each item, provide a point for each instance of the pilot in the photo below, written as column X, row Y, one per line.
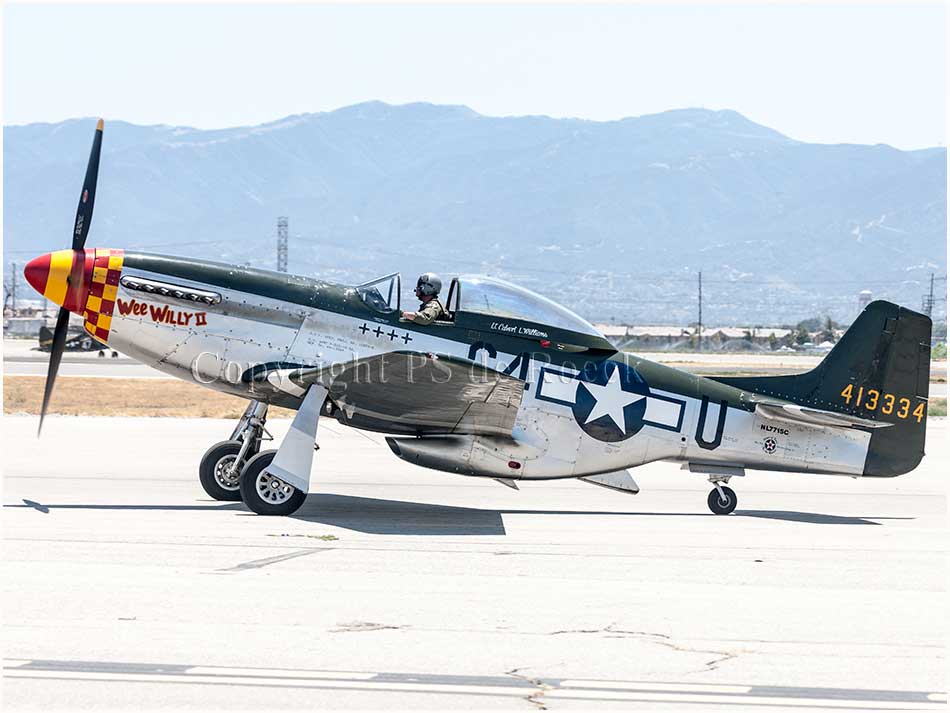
column 427, row 290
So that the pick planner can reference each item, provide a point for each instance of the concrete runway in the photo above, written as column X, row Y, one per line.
column 125, row 587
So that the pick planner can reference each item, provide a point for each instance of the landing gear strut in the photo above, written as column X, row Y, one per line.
column 277, row 482
column 220, row 468
column 722, row 499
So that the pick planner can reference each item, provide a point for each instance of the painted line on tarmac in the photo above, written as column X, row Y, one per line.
column 644, row 686
column 700, row 694
column 271, row 682
column 257, row 564
column 277, row 673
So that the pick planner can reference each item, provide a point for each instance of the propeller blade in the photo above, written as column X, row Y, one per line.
column 88, row 196
column 55, row 357
column 87, row 200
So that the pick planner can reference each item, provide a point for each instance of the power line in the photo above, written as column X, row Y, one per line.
column 665, row 276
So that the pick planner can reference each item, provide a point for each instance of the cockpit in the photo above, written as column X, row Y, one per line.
column 497, row 298
column 382, row 294
column 478, row 297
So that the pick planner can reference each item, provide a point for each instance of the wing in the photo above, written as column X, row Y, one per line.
column 406, row 392
column 409, row 392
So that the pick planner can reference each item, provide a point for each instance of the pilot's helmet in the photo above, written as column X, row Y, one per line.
column 428, row 284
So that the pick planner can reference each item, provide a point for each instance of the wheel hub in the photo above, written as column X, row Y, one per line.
column 272, row 489
column 225, row 474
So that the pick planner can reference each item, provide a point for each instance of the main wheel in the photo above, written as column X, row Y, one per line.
column 722, row 504
column 217, row 472
column 267, row 494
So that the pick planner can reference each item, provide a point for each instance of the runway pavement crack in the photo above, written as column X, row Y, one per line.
column 611, row 629
column 576, row 631
column 714, row 664
column 660, row 640
column 536, row 698
column 352, row 626
column 711, row 665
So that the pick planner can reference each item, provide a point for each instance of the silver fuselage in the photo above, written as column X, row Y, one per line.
column 682, row 419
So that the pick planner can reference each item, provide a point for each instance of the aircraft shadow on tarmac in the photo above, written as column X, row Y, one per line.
column 814, row 517
column 377, row 516
column 396, row 517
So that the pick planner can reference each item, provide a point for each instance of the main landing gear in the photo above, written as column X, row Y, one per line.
column 221, row 465
column 722, row 499
column 269, row 482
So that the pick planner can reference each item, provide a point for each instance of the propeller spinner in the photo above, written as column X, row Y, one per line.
column 63, row 277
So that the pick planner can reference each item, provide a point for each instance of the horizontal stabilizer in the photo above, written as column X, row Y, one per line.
column 617, row 480
column 816, row 417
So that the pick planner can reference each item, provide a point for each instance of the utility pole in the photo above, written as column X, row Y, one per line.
column 282, row 244
column 928, row 306
column 699, row 330
column 13, row 287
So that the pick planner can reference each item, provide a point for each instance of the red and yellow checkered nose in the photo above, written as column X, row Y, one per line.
column 82, row 281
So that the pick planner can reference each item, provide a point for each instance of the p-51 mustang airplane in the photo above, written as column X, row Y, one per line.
column 510, row 386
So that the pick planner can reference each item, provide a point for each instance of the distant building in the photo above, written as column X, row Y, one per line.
column 864, row 299
column 612, row 330
column 22, row 326
column 673, row 337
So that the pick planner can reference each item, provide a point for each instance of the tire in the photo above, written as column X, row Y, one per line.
column 265, row 494
column 721, row 506
column 210, row 471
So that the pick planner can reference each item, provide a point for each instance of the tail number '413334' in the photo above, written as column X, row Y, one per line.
column 886, row 404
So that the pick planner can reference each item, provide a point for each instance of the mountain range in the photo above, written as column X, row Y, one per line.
column 614, row 219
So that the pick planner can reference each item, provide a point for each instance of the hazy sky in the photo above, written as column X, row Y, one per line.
column 848, row 73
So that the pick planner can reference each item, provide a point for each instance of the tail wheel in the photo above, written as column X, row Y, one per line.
column 724, row 503
column 265, row 493
column 219, row 473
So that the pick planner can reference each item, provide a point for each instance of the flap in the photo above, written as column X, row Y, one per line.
column 402, row 392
